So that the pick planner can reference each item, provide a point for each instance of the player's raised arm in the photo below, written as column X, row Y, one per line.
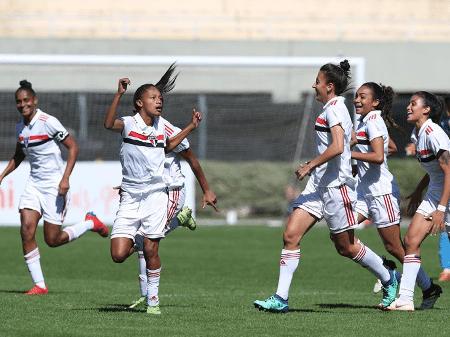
column 111, row 123
column 175, row 140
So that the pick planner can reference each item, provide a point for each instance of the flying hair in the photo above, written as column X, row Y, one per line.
column 164, row 85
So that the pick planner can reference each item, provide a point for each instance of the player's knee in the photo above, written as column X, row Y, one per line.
column 118, row 257
column 290, row 239
column 411, row 243
column 26, row 233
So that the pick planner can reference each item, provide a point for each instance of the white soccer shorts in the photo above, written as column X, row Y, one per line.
column 177, row 197
column 429, row 204
column 145, row 211
column 383, row 210
column 46, row 201
column 335, row 204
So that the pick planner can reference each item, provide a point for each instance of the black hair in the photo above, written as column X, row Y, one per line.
column 447, row 103
column 25, row 85
column 338, row 75
column 435, row 103
column 164, row 85
column 386, row 96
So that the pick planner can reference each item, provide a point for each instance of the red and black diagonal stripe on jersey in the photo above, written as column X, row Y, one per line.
column 363, row 138
column 425, row 156
column 34, row 140
column 139, row 139
column 322, row 125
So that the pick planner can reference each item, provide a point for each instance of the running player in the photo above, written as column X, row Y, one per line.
column 177, row 215
column 46, row 193
column 142, row 148
column 330, row 193
column 432, row 150
column 378, row 192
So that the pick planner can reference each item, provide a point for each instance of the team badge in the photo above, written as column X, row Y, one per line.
column 153, row 140
column 26, row 141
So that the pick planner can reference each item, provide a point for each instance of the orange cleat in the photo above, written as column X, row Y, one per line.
column 99, row 226
column 37, row 291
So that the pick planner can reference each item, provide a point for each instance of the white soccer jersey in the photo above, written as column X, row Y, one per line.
column 336, row 171
column 172, row 165
column 141, row 152
column 429, row 140
column 373, row 179
column 40, row 143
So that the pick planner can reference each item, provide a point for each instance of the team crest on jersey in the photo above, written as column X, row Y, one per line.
column 26, row 141
column 153, row 140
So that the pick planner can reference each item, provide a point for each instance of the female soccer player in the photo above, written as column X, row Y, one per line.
column 432, row 150
column 378, row 192
column 330, row 193
column 46, row 193
column 143, row 146
column 177, row 215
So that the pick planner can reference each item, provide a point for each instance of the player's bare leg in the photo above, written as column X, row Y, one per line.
column 29, row 220
column 299, row 223
column 121, row 248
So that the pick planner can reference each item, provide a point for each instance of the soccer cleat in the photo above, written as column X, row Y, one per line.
column 192, row 225
column 140, row 304
column 390, row 290
column 154, row 310
column 99, row 227
column 273, row 304
column 377, row 287
column 36, row 290
column 430, row 297
column 185, row 218
column 445, row 275
column 399, row 305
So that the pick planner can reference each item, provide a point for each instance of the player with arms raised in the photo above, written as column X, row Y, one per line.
column 142, row 149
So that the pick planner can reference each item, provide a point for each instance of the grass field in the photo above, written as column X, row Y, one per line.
column 209, row 280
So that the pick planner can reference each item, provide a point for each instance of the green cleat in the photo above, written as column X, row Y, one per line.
column 185, row 218
column 390, row 290
column 140, row 304
column 430, row 297
column 273, row 304
column 154, row 310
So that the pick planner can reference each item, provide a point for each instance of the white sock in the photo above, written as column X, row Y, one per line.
column 142, row 274
column 33, row 261
column 423, row 280
column 153, row 277
column 288, row 264
column 78, row 229
column 373, row 262
column 411, row 266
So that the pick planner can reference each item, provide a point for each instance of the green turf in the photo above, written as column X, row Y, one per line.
column 209, row 281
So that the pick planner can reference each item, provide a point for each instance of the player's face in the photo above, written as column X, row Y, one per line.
column 322, row 87
column 26, row 104
column 151, row 102
column 364, row 102
column 416, row 111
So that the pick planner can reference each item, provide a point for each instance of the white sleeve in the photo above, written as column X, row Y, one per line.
column 375, row 129
column 55, row 129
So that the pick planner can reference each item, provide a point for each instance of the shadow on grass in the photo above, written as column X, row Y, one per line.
column 13, row 291
column 346, row 306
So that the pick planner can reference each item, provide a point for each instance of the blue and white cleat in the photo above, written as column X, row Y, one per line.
column 390, row 289
column 273, row 304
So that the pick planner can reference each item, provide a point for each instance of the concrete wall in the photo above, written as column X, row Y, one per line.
column 406, row 66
